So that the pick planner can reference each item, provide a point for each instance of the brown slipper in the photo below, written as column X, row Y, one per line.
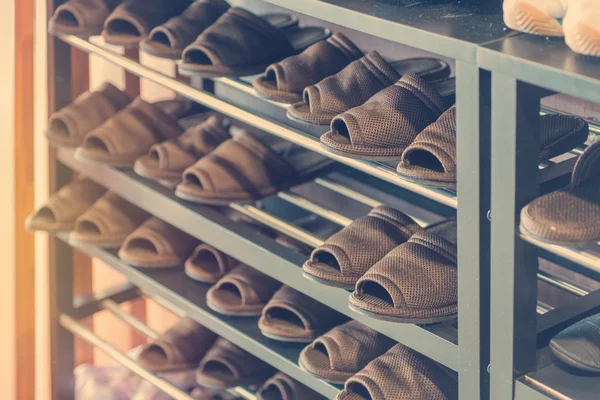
column 180, row 348
column 68, row 126
column 130, row 133
column 83, row 18
column 291, row 316
column 208, row 264
column 166, row 161
column 347, row 255
column 416, row 282
column 382, row 127
column 133, row 20
column 285, row 80
column 225, row 366
column 243, row 292
column 63, row 208
column 156, row 244
column 245, row 169
column 169, row 39
column 343, row 351
column 357, row 83
column 401, row 373
column 282, row 387
column 107, row 223
column 240, row 43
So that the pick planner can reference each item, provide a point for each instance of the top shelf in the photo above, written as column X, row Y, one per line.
column 544, row 62
column 448, row 28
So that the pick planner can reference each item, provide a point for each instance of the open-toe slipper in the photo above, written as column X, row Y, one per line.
column 291, row 316
column 107, row 223
column 416, row 282
column 357, row 83
column 343, row 351
column 401, row 373
column 169, row 39
column 284, row 81
column 180, row 348
column 68, row 126
column 282, row 387
column 348, row 254
column 166, row 161
column 245, row 169
column 570, row 216
column 225, row 366
column 63, row 208
column 431, row 158
column 133, row 20
column 130, row 133
column 208, row 265
column 156, row 244
column 243, row 292
column 241, row 43
column 579, row 345
column 382, row 128
column 83, row 18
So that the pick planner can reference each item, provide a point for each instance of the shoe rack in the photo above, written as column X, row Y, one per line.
column 485, row 54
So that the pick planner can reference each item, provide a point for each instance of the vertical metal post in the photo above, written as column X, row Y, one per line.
column 473, row 190
column 61, row 255
column 514, row 265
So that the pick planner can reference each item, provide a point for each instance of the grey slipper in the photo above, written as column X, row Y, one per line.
column 348, row 254
column 181, row 347
column 358, row 82
column 382, row 127
column 225, row 366
column 63, row 208
column 132, row 132
column 570, row 216
column 68, row 126
column 166, row 161
column 401, row 374
column 107, row 223
column 81, row 18
column 579, row 344
column 291, row 316
column 156, row 244
column 208, row 265
column 431, row 158
column 169, row 39
column 343, row 351
column 282, row 387
column 414, row 283
column 284, row 81
column 243, row 292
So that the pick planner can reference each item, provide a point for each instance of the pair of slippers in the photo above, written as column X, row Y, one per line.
column 219, row 363
column 399, row 272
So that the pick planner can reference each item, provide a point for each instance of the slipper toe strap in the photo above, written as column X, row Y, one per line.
column 171, row 157
column 145, row 18
column 185, row 341
column 113, row 215
column 88, row 13
column 254, row 286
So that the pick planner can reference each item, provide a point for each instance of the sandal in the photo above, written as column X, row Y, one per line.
column 208, row 265
column 282, row 387
column 579, row 345
column 83, row 18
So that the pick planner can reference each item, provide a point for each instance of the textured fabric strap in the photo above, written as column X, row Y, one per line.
column 73, row 199
column 145, row 18
column 114, row 215
column 240, row 362
column 254, row 286
column 288, row 388
column 185, row 341
column 88, row 12
column 587, row 167
column 318, row 61
column 165, row 237
column 241, row 38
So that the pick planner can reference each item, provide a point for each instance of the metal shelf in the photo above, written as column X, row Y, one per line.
column 438, row 342
column 588, row 257
column 266, row 124
column 451, row 29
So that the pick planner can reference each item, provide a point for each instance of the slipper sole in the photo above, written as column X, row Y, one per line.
column 56, row 227
column 199, row 278
column 361, row 156
column 289, row 339
column 569, row 360
column 429, row 182
column 154, row 175
column 102, row 243
column 82, row 33
column 160, row 50
column 324, row 378
column 85, row 155
column 231, row 313
column 307, row 123
column 326, row 282
column 192, row 70
column 578, row 245
column 269, row 91
column 416, row 321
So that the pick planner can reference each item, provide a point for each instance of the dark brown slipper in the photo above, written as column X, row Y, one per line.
column 133, row 20
column 169, row 39
column 240, row 43
column 382, row 128
column 285, row 80
column 291, row 316
column 343, row 351
column 180, row 348
column 68, row 126
column 208, row 264
column 83, row 18
column 243, row 292
column 348, row 254
column 401, row 373
column 357, row 83
column 225, row 366
column 282, row 387
column 416, row 282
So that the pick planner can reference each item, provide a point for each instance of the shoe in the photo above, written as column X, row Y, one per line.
column 539, row 17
